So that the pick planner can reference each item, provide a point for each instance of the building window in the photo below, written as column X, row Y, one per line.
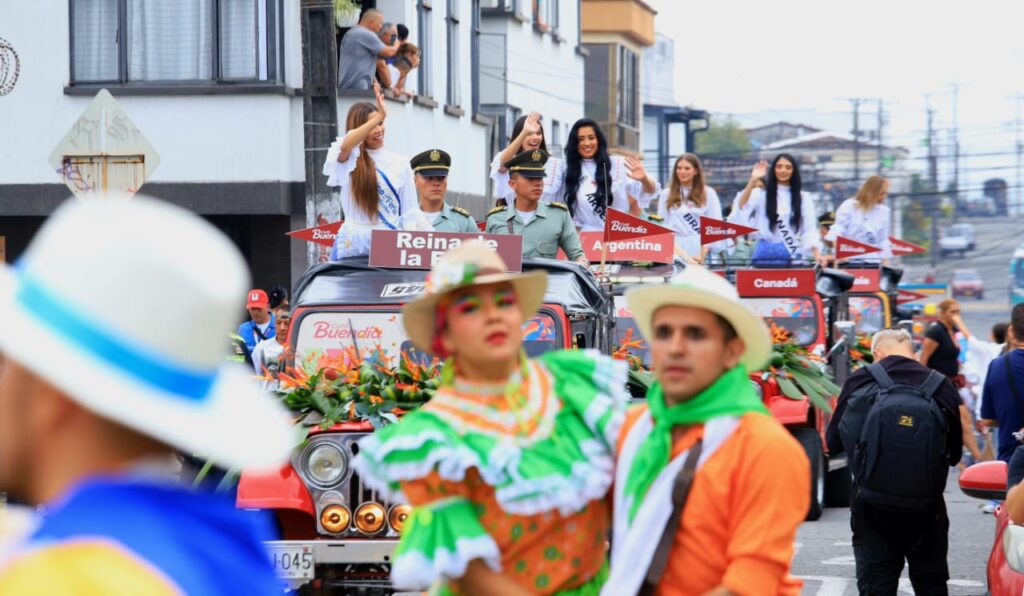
column 545, row 15
column 555, row 143
column 129, row 41
column 628, row 87
column 424, row 12
column 452, row 26
column 598, row 83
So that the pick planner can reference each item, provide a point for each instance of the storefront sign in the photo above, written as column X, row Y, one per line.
column 324, row 234
column 846, row 248
column 404, row 249
column 903, row 248
column 713, row 230
column 775, row 282
column 865, row 280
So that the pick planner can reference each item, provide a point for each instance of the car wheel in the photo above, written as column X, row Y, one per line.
column 838, row 484
column 811, row 443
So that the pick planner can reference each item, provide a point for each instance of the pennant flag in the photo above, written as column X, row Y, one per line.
column 322, row 234
column 903, row 248
column 623, row 226
column 846, row 248
column 713, row 230
column 905, row 296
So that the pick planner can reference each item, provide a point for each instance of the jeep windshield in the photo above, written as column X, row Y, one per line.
column 799, row 316
column 867, row 314
column 331, row 332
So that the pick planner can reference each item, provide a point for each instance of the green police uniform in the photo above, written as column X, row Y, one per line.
column 455, row 219
column 550, row 229
column 435, row 162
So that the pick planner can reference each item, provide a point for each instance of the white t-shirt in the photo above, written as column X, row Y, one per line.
column 432, row 217
column 266, row 359
column 526, row 216
column 354, row 236
column 622, row 187
column 684, row 220
column 805, row 237
column 870, row 227
column 554, row 174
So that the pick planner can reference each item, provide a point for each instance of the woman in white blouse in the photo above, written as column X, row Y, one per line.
column 527, row 135
column 377, row 188
column 785, row 219
column 589, row 170
column 865, row 219
column 684, row 202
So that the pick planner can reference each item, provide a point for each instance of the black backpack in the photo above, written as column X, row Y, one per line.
column 898, row 433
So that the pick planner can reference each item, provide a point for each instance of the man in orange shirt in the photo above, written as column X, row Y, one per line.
column 709, row 488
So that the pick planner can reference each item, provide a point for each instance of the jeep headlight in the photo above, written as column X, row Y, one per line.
column 325, row 464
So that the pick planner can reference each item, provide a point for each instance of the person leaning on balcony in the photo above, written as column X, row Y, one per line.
column 704, row 432
column 430, row 169
column 594, row 180
column 508, row 466
column 406, row 60
column 527, row 136
column 544, row 227
column 360, row 49
column 377, row 187
column 865, row 219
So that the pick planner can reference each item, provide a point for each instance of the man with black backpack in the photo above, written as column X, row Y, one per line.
column 899, row 424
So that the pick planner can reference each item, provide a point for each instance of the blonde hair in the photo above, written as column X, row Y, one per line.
column 895, row 335
column 869, row 191
column 364, row 176
column 947, row 304
column 675, row 193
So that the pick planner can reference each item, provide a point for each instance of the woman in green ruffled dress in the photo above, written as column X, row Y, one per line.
column 509, row 464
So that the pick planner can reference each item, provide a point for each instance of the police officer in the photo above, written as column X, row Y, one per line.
column 430, row 170
column 545, row 227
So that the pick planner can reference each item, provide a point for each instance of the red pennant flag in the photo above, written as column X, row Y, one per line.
column 623, row 226
column 713, row 230
column 322, row 234
column 903, row 248
column 851, row 248
column 905, row 296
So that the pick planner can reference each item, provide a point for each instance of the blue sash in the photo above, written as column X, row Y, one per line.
column 389, row 206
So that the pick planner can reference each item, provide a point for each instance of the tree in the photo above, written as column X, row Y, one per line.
column 725, row 139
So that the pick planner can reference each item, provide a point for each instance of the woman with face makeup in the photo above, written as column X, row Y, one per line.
column 508, row 465
column 683, row 204
column 591, row 173
column 785, row 219
column 527, row 135
column 377, row 188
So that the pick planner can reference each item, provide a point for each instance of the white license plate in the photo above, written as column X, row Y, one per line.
column 293, row 562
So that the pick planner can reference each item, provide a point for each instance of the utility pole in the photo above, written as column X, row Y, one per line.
column 856, row 140
column 955, row 133
column 881, row 122
column 1019, row 149
column 933, row 162
column 933, row 181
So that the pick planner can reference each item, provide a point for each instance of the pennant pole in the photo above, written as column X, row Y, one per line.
column 607, row 227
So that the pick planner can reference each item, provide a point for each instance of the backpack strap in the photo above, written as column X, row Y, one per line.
column 877, row 371
column 932, row 384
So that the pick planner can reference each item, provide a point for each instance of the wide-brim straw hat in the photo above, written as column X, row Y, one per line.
column 125, row 306
column 698, row 287
column 473, row 263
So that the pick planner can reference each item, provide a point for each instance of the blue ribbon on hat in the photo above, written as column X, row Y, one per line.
column 135, row 361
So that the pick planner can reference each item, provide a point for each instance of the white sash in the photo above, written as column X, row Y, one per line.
column 692, row 220
column 633, row 545
column 389, row 205
column 788, row 238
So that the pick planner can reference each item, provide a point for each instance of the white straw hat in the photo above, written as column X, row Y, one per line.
column 125, row 306
column 696, row 286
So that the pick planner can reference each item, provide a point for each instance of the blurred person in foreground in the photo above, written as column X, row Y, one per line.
column 96, row 393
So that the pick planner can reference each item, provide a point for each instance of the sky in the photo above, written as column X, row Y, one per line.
column 802, row 60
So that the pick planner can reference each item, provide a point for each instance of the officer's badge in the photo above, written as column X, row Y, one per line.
column 536, row 156
column 435, row 155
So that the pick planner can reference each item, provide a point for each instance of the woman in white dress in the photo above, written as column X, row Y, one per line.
column 589, row 170
column 785, row 219
column 377, row 188
column 865, row 219
column 527, row 135
column 684, row 202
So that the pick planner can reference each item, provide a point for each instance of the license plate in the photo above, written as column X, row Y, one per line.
column 293, row 562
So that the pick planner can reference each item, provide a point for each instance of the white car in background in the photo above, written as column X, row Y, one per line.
column 958, row 238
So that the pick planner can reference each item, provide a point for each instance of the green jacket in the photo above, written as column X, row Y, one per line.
column 455, row 219
column 550, row 229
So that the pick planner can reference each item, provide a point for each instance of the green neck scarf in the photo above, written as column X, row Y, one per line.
column 731, row 395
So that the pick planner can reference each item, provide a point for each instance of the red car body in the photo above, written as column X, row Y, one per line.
column 987, row 480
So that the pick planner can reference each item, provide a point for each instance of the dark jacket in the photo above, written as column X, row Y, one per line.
column 902, row 370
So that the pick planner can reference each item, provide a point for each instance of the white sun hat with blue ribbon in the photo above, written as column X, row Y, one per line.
column 698, row 287
column 125, row 306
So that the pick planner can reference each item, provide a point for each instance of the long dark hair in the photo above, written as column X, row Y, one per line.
column 518, row 128
column 574, row 168
column 771, row 189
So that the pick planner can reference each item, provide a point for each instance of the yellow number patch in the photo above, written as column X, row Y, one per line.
column 907, row 421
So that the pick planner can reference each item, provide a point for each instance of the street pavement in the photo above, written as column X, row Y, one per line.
column 824, row 558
